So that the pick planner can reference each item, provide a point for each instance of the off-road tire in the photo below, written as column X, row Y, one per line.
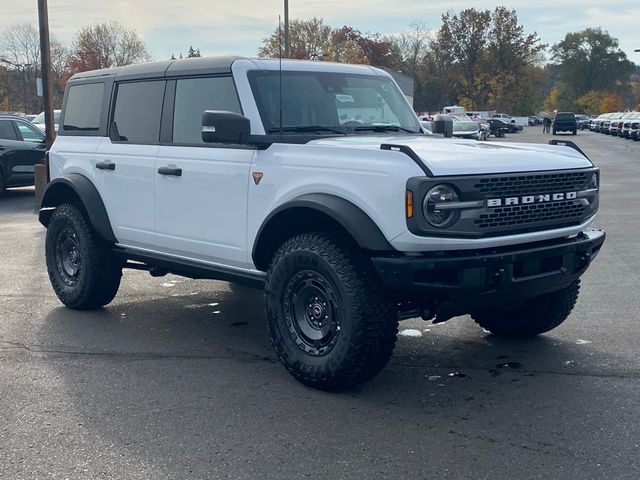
column 97, row 276
column 1, row 183
column 554, row 132
column 538, row 315
column 367, row 319
column 575, row 132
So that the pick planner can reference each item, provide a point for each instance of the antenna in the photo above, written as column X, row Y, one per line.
column 280, row 69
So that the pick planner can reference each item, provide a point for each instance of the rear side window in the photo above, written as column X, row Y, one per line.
column 194, row 96
column 83, row 109
column 137, row 112
column 7, row 132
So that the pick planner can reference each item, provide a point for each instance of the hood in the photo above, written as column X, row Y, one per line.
column 450, row 156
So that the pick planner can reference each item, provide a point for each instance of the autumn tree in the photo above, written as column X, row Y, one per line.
column 612, row 103
column 591, row 60
column 105, row 45
column 20, row 45
column 308, row 40
column 591, row 102
column 489, row 52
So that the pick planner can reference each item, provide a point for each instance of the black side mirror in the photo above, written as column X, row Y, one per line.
column 224, row 127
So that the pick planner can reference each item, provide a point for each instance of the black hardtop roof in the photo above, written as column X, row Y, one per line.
column 170, row 68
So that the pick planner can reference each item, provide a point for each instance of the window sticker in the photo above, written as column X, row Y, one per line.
column 342, row 98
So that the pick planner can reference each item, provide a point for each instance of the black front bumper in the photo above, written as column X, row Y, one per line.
column 455, row 283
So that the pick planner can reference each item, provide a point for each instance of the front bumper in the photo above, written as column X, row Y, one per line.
column 460, row 282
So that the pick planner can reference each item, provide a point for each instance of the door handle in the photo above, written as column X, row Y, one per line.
column 106, row 165
column 177, row 172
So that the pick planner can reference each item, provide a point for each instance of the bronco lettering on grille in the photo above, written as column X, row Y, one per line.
column 528, row 199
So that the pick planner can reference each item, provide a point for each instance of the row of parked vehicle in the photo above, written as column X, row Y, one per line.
column 618, row 124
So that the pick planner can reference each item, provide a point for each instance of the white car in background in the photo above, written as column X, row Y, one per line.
column 39, row 120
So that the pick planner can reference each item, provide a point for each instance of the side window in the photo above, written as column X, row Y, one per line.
column 83, row 109
column 137, row 112
column 30, row 133
column 7, row 132
column 194, row 96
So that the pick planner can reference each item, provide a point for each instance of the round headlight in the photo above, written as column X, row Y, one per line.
column 437, row 196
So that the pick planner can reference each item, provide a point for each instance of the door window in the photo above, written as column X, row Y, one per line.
column 137, row 112
column 29, row 133
column 7, row 132
column 193, row 97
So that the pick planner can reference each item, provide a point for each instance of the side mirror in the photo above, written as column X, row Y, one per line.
column 224, row 127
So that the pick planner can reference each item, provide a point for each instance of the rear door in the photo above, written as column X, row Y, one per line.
column 125, row 161
column 201, row 208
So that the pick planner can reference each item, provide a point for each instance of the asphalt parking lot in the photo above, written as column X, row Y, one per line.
column 177, row 379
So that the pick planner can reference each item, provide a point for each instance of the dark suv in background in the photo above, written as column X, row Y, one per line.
column 565, row 122
column 21, row 147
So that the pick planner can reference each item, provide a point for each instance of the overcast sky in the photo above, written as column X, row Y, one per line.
column 238, row 26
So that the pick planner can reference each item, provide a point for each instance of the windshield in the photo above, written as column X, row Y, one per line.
column 328, row 102
column 40, row 117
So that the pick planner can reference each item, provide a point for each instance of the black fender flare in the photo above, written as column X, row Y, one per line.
column 64, row 188
column 352, row 218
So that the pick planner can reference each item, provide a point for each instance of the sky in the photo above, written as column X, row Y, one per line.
column 238, row 26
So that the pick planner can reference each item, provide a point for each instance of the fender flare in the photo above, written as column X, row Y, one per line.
column 352, row 218
column 58, row 191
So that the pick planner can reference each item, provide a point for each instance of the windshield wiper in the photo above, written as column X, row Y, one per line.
column 383, row 128
column 306, row 129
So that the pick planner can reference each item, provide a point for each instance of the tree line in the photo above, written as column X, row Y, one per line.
column 482, row 60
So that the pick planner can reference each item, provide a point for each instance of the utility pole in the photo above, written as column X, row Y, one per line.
column 286, row 28
column 42, row 171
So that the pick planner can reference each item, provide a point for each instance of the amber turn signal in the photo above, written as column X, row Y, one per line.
column 409, row 204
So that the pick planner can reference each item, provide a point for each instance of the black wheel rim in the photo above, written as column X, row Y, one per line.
column 311, row 312
column 68, row 259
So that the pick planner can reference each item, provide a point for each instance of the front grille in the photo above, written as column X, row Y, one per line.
column 532, row 184
column 568, row 211
column 530, row 216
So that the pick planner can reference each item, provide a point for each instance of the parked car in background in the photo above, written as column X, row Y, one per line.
column 625, row 125
column 617, row 126
column 464, row 127
column 634, row 132
column 605, row 127
column 564, row 122
column 30, row 117
column 39, row 120
column 21, row 147
column 583, row 121
column 498, row 127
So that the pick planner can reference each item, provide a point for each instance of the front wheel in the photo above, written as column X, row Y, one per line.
column 82, row 269
column 538, row 315
column 329, row 319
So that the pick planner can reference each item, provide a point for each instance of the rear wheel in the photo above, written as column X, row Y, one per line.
column 575, row 132
column 554, row 132
column 534, row 317
column 81, row 266
column 329, row 320
column 1, row 183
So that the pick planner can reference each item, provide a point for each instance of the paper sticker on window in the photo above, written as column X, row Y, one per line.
column 345, row 98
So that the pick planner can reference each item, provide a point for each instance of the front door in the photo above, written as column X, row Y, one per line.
column 201, row 189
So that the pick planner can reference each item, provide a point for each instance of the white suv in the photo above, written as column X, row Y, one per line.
column 315, row 182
